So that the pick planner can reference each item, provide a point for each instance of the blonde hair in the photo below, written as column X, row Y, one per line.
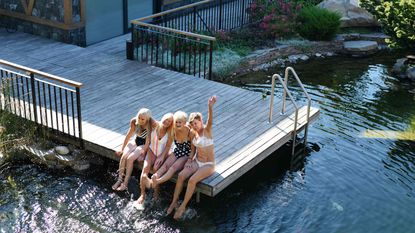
column 180, row 115
column 169, row 130
column 195, row 115
column 146, row 113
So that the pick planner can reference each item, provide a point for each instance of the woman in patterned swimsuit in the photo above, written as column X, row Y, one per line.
column 183, row 148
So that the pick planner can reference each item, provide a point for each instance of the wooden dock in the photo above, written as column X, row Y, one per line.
column 115, row 88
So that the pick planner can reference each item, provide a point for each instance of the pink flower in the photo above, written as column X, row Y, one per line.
column 267, row 18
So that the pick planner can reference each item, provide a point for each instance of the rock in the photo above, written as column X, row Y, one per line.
column 318, row 55
column 360, row 47
column 351, row 14
column 2, row 129
column 329, row 54
column 410, row 73
column 81, row 165
column 304, row 57
column 399, row 66
column 378, row 37
column 47, row 155
column 62, row 150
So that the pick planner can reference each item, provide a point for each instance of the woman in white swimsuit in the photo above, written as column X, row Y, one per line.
column 201, row 165
column 160, row 147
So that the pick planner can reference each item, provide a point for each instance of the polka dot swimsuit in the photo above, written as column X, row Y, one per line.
column 182, row 149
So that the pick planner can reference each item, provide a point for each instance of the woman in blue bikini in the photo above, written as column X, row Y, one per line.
column 199, row 166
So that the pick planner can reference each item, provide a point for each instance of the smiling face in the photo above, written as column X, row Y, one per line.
column 180, row 123
column 167, row 122
column 197, row 124
column 142, row 120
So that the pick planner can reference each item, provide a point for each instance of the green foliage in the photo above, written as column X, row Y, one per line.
column 275, row 17
column 397, row 18
column 242, row 41
column 15, row 131
column 317, row 24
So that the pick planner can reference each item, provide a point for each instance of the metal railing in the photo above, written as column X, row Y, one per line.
column 52, row 102
column 283, row 106
column 271, row 107
column 182, row 39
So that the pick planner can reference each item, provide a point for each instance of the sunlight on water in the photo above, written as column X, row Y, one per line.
column 359, row 175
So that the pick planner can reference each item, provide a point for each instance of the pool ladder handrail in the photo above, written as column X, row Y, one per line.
column 285, row 93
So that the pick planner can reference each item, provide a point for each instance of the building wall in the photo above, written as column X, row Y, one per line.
column 49, row 19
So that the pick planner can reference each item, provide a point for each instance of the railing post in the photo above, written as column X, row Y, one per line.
column 194, row 19
column 78, row 109
column 32, row 84
column 243, row 13
column 210, row 59
column 130, row 44
column 220, row 14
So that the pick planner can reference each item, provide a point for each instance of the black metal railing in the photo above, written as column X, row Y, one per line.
column 182, row 39
column 50, row 101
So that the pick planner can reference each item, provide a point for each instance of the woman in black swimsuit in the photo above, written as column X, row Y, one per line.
column 183, row 148
column 140, row 126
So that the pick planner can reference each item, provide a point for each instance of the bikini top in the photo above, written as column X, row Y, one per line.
column 202, row 141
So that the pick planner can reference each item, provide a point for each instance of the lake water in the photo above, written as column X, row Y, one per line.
column 351, row 181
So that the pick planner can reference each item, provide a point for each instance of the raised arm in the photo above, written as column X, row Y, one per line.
column 211, row 102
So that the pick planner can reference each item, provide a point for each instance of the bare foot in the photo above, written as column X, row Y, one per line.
column 140, row 200
column 122, row 187
column 171, row 208
column 116, row 185
column 179, row 212
column 154, row 180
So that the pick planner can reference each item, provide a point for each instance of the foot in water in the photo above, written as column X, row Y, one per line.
column 140, row 200
column 116, row 185
column 171, row 208
column 179, row 213
column 122, row 187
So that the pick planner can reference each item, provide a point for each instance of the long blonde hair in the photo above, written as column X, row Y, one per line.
column 169, row 130
column 146, row 113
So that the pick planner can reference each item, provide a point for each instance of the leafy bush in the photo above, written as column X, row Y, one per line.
column 397, row 18
column 315, row 23
column 275, row 17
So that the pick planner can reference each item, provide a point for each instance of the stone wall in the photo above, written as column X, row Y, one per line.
column 48, row 10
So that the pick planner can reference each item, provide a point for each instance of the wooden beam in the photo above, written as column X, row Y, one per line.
column 67, row 9
column 46, row 22
column 82, row 10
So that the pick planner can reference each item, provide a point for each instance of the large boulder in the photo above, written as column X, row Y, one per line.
column 351, row 14
column 358, row 48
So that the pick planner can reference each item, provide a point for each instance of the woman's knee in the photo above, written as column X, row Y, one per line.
column 193, row 181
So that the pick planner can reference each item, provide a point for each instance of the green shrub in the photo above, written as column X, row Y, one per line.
column 317, row 24
column 397, row 18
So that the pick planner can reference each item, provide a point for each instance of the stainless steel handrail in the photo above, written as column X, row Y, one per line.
column 286, row 76
column 292, row 100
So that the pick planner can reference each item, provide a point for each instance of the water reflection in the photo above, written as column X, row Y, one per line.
column 349, row 183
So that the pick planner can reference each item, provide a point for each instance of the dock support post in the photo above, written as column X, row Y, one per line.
column 197, row 196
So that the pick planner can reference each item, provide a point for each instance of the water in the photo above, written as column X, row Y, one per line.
column 350, row 182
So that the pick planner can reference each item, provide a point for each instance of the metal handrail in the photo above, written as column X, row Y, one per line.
column 286, row 76
column 292, row 100
column 46, row 75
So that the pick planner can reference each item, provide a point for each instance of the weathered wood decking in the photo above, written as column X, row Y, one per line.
column 115, row 88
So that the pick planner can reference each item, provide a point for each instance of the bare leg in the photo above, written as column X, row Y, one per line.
column 144, row 180
column 163, row 169
column 121, row 169
column 183, row 175
column 199, row 175
column 177, row 166
column 130, row 165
